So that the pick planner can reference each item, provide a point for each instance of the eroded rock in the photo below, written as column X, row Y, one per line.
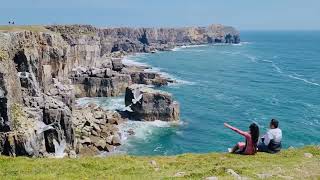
column 149, row 104
column 96, row 129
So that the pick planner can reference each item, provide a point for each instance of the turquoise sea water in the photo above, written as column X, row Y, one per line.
column 269, row 75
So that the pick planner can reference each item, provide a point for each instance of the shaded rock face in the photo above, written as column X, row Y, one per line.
column 34, row 62
column 3, row 106
column 149, row 105
column 59, row 116
column 100, row 87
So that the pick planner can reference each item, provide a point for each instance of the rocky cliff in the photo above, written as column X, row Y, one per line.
column 41, row 73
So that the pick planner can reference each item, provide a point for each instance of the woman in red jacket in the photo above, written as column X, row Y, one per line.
column 250, row 146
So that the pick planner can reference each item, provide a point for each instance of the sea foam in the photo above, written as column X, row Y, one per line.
column 180, row 48
column 107, row 103
column 135, row 60
column 304, row 80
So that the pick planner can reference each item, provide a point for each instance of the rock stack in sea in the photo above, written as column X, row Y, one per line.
column 148, row 104
column 42, row 72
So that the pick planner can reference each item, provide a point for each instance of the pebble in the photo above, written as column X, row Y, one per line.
column 308, row 155
column 233, row 173
column 211, row 178
column 179, row 174
column 264, row 175
column 153, row 163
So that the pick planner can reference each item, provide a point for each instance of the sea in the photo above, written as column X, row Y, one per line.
column 270, row 74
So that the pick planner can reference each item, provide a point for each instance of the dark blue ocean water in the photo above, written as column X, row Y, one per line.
column 269, row 75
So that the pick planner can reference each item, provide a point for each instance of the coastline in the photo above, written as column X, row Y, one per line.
column 41, row 64
column 142, row 129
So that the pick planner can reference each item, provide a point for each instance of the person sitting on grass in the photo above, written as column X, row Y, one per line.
column 271, row 141
column 250, row 146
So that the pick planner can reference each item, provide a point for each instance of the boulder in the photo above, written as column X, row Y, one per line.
column 85, row 140
column 117, row 64
column 148, row 78
column 96, row 72
column 149, row 104
column 72, row 154
column 308, row 155
column 116, row 140
column 109, row 148
column 88, row 151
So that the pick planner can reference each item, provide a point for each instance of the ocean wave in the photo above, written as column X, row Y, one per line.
column 274, row 65
column 143, row 130
column 242, row 43
column 292, row 76
column 268, row 61
column 179, row 48
column 277, row 68
column 107, row 103
column 134, row 60
column 251, row 57
column 304, row 80
column 131, row 60
column 179, row 82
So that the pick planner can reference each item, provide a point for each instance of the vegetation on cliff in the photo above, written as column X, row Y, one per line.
column 34, row 28
column 300, row 163
column 18, row 116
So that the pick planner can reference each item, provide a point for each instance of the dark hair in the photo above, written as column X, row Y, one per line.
column 274, row 122
column 254, row 131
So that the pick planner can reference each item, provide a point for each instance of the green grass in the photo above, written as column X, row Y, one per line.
column 287, row 164
column 13, row 28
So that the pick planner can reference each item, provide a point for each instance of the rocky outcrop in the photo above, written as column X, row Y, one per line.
column 141, row 75
column 149, row 104
column 100, row 87
column 96, row 130
column 43, row 72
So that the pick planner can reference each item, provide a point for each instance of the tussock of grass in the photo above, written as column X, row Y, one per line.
column 289, row 163
column 13, row 28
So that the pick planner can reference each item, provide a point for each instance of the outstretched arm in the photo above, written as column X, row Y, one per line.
column 236, row 130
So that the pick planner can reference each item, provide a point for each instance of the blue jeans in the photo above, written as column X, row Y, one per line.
column 262, row 147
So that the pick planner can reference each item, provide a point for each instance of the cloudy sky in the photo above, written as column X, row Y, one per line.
column 243, row 14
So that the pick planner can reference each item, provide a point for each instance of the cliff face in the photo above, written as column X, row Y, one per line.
column 146, row 39
column 41, row 73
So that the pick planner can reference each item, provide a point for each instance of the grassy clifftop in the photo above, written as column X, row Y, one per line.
column 301, row 163
column 13, row 28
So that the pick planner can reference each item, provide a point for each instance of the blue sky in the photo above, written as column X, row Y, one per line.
column 243, row 14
